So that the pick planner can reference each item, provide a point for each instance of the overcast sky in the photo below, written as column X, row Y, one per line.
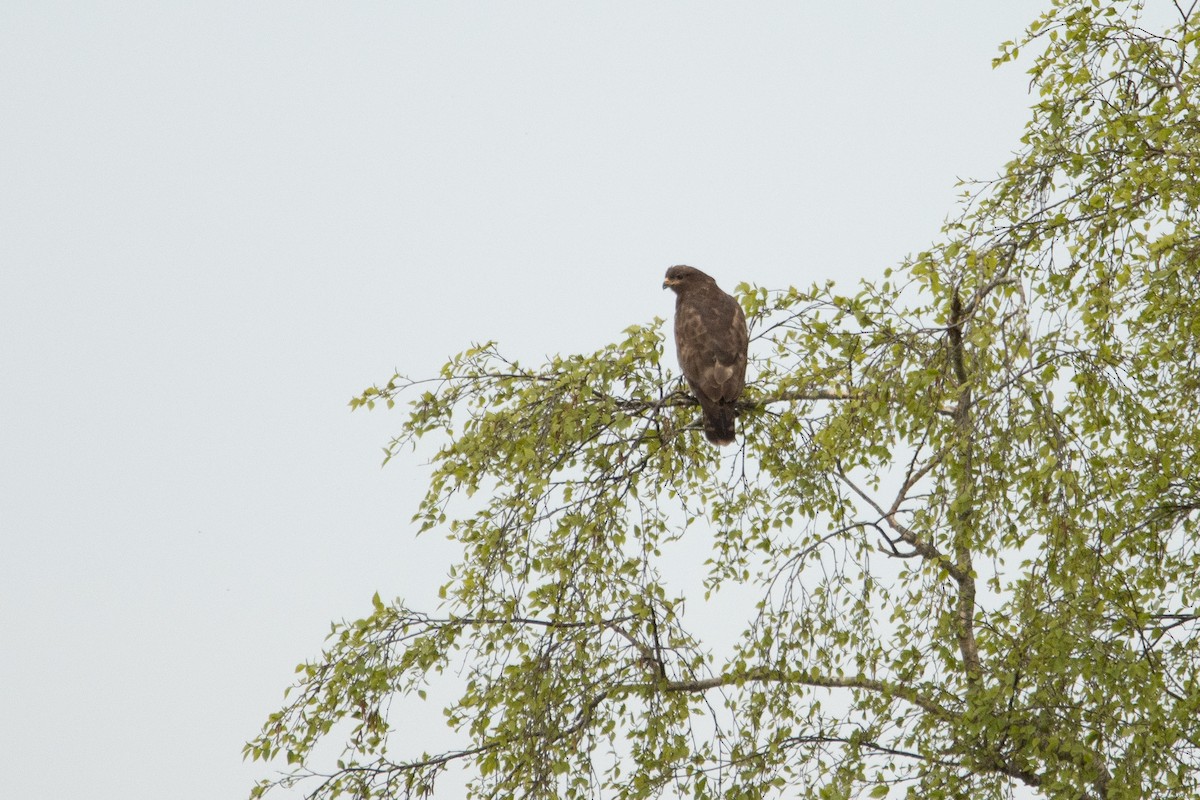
column 221, row 220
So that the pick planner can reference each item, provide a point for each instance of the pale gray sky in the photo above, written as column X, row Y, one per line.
column 221, row 220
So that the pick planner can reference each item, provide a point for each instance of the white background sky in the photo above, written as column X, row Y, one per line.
column 221, row 220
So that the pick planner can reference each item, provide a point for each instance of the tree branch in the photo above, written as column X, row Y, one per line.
column 962, row 506
column 774, row 675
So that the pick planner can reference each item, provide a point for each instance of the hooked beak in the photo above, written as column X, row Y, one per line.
column 669, row 282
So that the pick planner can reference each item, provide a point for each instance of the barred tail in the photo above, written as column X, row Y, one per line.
column 719, row 423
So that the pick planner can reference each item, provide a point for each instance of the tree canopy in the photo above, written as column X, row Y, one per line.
column 956, row 540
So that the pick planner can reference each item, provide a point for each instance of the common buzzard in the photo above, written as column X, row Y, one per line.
column 711, row 341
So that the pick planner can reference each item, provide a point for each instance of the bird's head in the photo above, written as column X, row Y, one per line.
column 682, row 276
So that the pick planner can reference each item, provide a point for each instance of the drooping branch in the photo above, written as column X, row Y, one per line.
column 813, row 679
column 922, row 547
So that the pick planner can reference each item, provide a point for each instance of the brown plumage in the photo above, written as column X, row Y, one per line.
column 711, row 340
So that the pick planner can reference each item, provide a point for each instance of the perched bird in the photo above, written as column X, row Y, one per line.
column 711, row 341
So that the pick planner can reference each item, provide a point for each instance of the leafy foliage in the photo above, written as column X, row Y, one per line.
column 964, row 507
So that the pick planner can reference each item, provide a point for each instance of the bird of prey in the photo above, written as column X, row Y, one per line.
column 711, row 341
